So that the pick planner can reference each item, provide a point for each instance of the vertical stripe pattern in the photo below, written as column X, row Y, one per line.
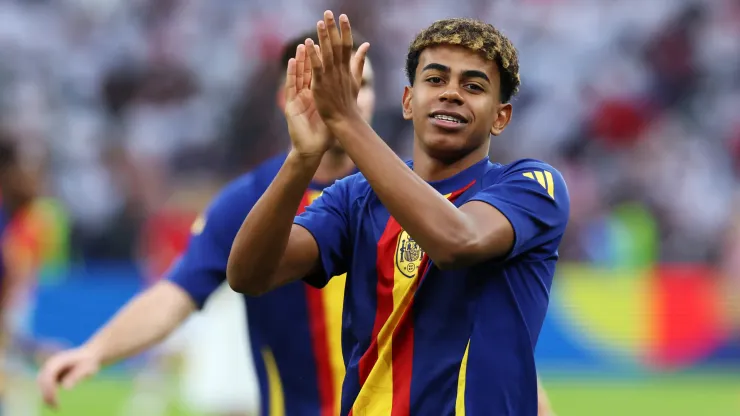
column 325, row 315
column 460, row 399
column 386, row 368
column 277, row 398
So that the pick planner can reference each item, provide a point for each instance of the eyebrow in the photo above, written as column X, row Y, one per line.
column 470, row 73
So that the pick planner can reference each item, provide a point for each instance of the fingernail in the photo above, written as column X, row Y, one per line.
column 321, row 24
column 328, row 14
column 343, row 18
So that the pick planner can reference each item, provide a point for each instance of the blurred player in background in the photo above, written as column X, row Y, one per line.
column 17, row 191
column 451, row 257
column 294, row 333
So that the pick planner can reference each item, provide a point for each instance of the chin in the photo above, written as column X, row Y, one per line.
column 449, row 147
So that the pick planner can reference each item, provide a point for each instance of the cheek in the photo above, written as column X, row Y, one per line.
column 366, row 102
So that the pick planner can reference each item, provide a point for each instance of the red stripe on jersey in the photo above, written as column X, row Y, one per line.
column 319, row 337
column 320, row 343
column 384, row 291
column 403, row 341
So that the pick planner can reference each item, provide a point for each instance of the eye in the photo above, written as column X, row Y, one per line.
column 474, row 87
column 434, row 80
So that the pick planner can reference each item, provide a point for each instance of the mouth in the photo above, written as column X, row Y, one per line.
column 448, row 120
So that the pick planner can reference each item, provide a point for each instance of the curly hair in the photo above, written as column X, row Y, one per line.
column 476, row 36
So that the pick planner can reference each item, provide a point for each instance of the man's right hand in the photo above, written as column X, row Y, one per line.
column 308, row 133
column 66, row 369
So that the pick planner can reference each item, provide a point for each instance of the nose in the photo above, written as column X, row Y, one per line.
column 451, row 95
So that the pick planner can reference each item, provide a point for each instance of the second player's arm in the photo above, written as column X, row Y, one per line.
column 451, row 237
column 269, row 249
column 144, row 322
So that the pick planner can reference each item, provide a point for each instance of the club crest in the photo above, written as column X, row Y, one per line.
column 408, row 255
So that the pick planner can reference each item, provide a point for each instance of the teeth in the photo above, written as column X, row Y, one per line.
column 447, row 118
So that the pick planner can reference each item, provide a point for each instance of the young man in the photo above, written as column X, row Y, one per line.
column 449, row 259
column 294, row 333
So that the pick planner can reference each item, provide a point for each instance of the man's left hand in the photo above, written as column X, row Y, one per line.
column 336, row 74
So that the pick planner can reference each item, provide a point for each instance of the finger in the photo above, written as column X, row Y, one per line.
column 300, row 61
column 314, row 52
column 76, row 375
column 290, row 75
column 327, row 55
column 358, row 62
column 334, row 37
column 346, row 41
column 307, row 69
column 47, row 382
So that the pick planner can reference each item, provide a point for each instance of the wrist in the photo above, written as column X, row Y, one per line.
column 343, row 122
column 93, row 350
column 304, row 161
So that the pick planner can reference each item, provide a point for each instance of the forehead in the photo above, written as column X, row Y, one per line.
column 458, row 59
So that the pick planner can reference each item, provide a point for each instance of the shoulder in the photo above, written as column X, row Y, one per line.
column 530, row 177
column 247, row 188
column 523, row 166
column 229, row 207
column 531, row 170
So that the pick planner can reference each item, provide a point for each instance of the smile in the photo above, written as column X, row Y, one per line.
column 448, row 120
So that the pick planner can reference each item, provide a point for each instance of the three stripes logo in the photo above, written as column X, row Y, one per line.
column 544, row 178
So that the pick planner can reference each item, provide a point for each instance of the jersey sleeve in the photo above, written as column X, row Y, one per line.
column 202, row 268
column 533, row 197
column 328, row 220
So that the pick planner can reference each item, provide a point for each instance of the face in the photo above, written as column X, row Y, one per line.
column 455, row 102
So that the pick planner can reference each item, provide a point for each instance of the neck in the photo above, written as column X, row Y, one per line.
column 334, row 165
column 433, row 169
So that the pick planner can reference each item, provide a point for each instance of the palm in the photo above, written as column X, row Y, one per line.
column 307, row 131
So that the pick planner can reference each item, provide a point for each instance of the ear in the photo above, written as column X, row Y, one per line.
column 408, row 93
column 503, row 116
column 280, row 96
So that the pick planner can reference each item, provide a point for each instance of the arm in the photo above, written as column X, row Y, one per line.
column 144, row 321
column 451, row 237
column 162, row 308
column 269, row 250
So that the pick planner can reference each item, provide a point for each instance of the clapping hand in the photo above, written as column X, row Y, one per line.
column 336, row 73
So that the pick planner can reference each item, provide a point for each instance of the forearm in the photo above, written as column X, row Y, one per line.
column 435, row 224
column 261, row 242
column 145, row 321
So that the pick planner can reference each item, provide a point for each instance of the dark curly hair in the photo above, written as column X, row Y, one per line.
column 474, row 35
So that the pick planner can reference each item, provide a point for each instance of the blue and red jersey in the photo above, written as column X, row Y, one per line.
column 295, row 331
column 418, row 340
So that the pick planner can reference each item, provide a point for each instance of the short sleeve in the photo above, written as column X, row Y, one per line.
column 533, row 197
column 202, row 268
column 328, row 220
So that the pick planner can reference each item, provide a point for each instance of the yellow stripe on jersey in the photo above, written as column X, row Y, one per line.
column 333, row 297
column 550, row 185
column 460, row 400
column 277, row 398
column 376, row 395
column 544, row 178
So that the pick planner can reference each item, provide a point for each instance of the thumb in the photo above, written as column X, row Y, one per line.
column 358, row 62
column 77, row 374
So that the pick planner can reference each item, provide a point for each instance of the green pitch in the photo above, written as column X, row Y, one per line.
column 674, row 396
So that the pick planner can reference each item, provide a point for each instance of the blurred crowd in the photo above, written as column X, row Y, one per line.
column 134, row 108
